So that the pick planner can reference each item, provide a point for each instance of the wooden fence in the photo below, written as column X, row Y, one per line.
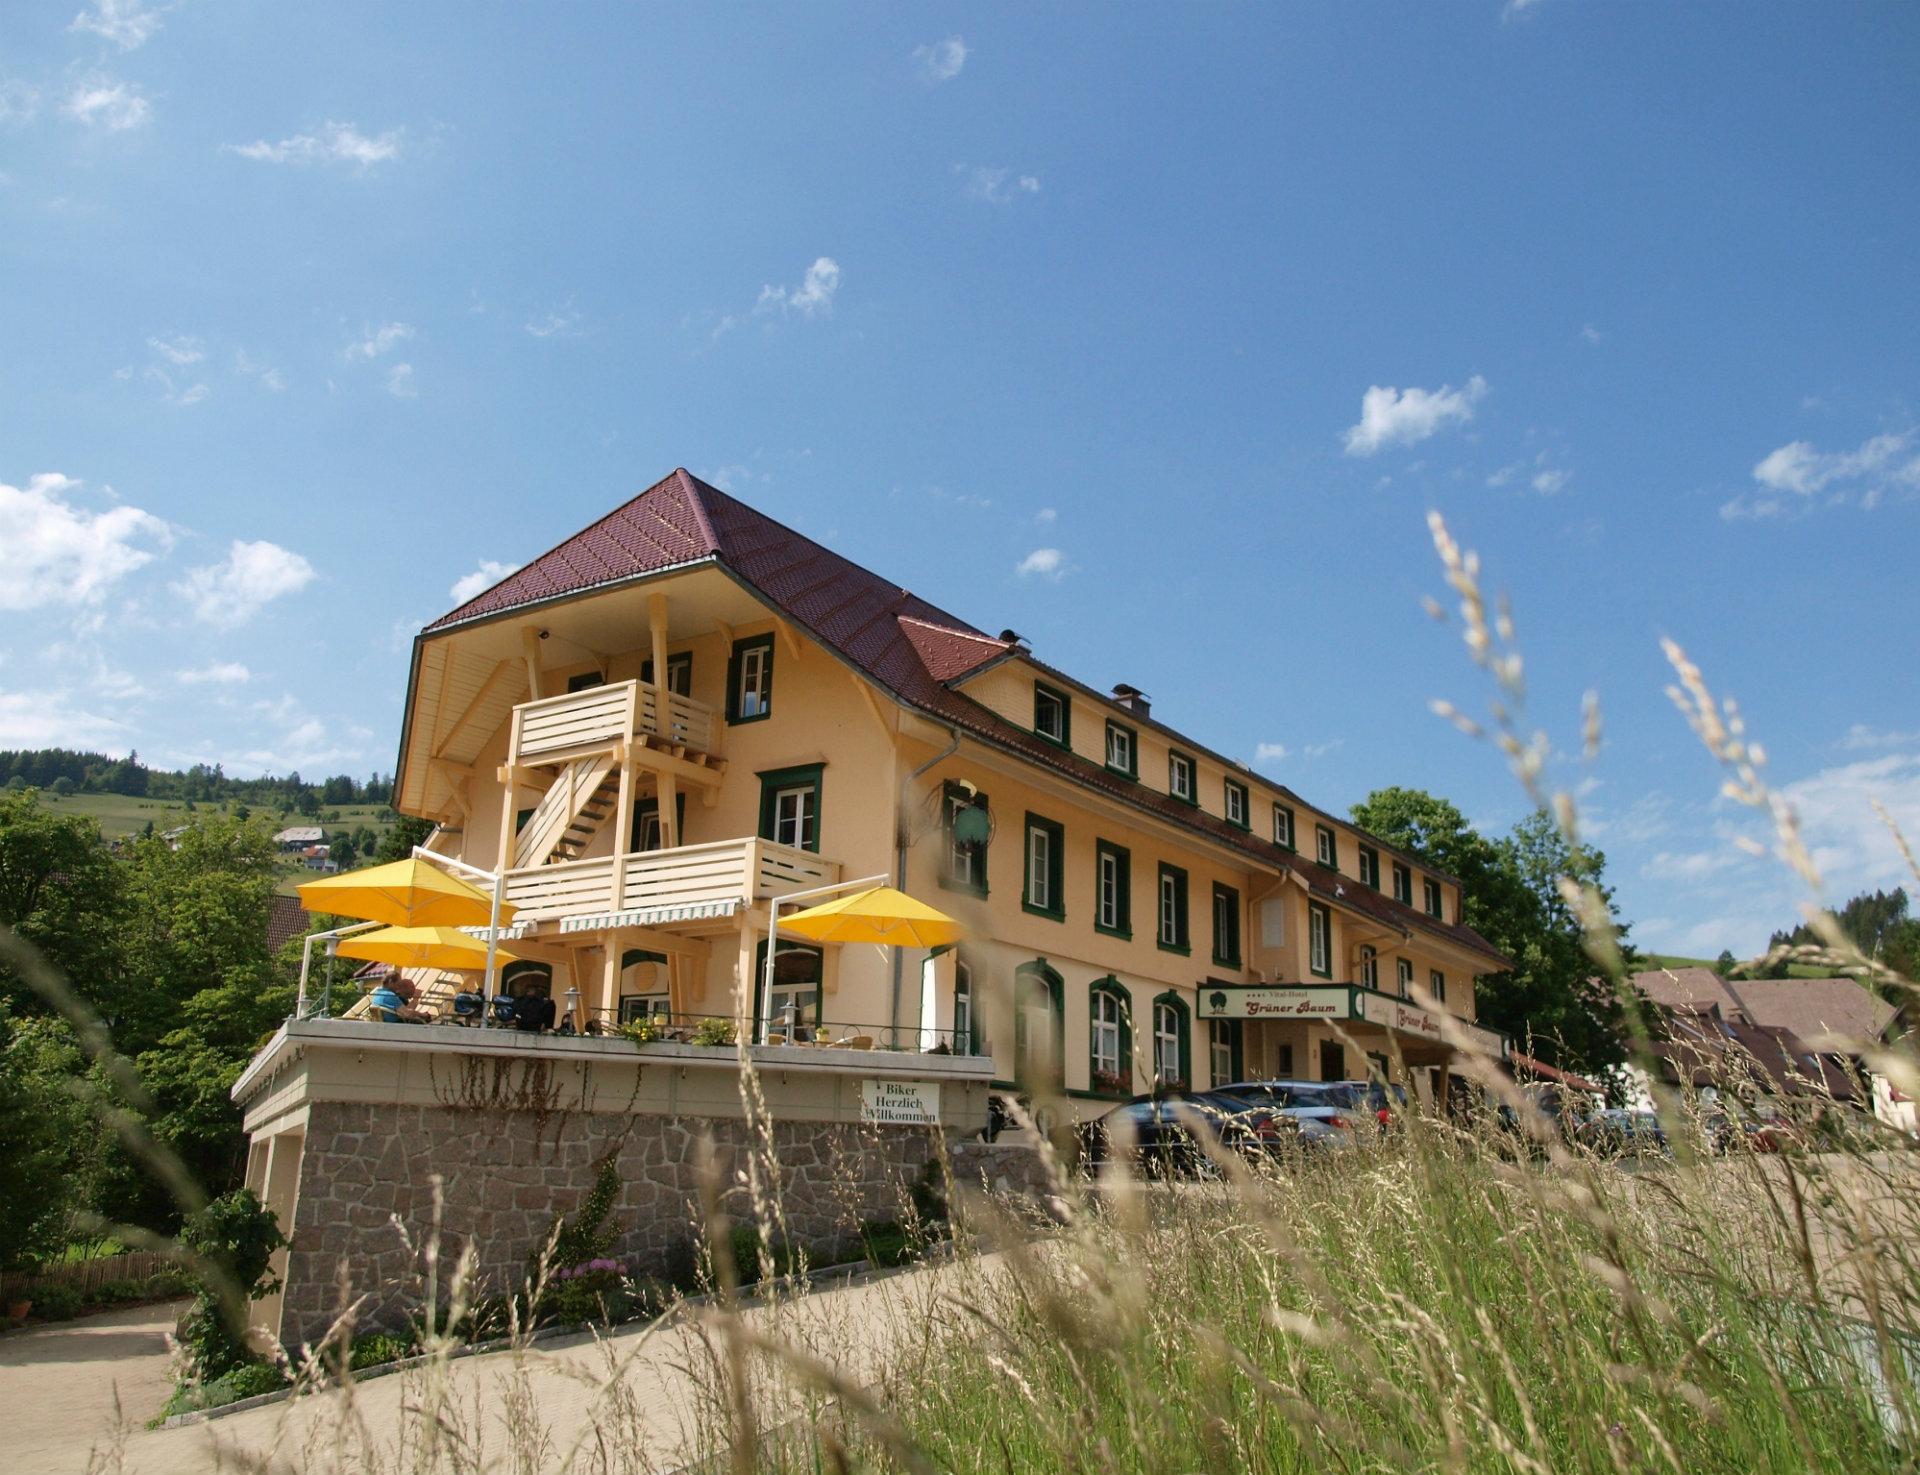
column 86, row 1276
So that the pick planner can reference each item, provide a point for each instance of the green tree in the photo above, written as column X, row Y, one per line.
column 61, row 890
column 1551, row 1002
column 41, row 1122
column 1725, row 963
column 399, row 841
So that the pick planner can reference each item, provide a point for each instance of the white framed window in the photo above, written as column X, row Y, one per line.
column 645, row 1006
column 1404, row 968
column 1369, row 967
column 1370, row 867
column 1106, row 1033
column 1220, row 1050
column 793, row 817
column 1437, row 986
column 1320, row 940
column 1430, row 894
column 751, row 695
column 962, row 1008
column 1166, row 1042
column 1173, row 907
column 1180, row 782
column 1040, row 867
column 1283, row 826
column 1120, row 748
column 1236, row 803
column 1326, row 851
column 1049, row 713
column 1112, row 889
column 1402, row 884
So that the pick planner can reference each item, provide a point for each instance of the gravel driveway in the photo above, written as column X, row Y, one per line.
column 58, row 1384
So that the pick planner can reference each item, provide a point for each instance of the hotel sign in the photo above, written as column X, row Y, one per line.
column 1276, row 1003
column 900, row 1103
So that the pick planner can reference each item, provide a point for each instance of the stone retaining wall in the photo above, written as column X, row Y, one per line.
column 506, row 1176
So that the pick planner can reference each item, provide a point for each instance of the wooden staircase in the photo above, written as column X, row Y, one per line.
column 570, row 813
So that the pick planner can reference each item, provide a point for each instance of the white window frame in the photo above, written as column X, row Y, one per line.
column 1437, row 985
column 1040, row 868
column 1369, row 966
column 1105, row 1026
column 1179, row 765
column 1220, row 1050
column 1326, row 848
column 962, row 1007
column 1120, row 748
column 1166, row 1043
column 960, row 856
column 1236, row 802
column 1169, row 909
column 799, row 818
column 1320, row 940
column 1433, row 899
column 1399, row 871
column 1107, row 903
column 1404, row 977
column 1283, row 826
column 751, row 699
column 1048, row 694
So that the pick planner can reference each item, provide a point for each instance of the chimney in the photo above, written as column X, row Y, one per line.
column 1133, row 699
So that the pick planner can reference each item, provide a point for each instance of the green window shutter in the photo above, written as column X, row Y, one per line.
column 1226, row 926
column 773, row 781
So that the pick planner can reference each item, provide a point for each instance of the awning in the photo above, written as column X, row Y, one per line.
column 699, row 911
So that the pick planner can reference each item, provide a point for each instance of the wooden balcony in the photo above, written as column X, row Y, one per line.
column 576, row 723
column 686, row 883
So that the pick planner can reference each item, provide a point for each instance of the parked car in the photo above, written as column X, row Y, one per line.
column 1326, row 1113
column 1162, row 1127
column 1623, row 1134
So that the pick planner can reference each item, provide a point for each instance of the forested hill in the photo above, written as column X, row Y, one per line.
column 65, row 770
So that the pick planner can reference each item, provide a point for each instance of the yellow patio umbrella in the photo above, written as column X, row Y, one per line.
column 879, row 914
column 404, row 893
column 423, row 947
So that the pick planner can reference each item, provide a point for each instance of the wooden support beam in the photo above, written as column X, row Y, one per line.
column 669, row 811
column 865, row 689
column 657, row 629
column 660, row 761
column 530, row 649
column 790, row 636
column 500, row 669
column 623, row 826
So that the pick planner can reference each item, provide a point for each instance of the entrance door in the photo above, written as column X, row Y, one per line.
column 1036, row 1027
column 1333, row 1061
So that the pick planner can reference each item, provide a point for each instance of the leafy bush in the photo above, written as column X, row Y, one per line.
column 378, row 1349
column 250, row 1380
column 56, row 1302
column 745, row 1243
column 164, row 1285
column 236, row 1236
column 641, row 1031
column 887, row 1243
column 714, row 1032
column 113, row 1292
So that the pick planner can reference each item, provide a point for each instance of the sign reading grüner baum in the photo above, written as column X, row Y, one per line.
column 900, row 1103
column 1277, row 1003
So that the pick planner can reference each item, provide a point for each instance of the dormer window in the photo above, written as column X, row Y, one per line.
column 1369, row 867
column 1236, row 809
column 1180, row 778
column 1122, row 750
column 1402, row 884
column 1283, row 826
column 1325, row 850
column 1052, row 713
column 1430, row 898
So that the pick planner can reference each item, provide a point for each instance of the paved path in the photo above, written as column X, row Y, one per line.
column 58, row 1384
column 637, row 1396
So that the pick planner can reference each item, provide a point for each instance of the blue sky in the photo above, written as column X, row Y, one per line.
column 1151, row 333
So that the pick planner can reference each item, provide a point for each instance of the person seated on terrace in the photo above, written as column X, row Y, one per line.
column 392, row 1001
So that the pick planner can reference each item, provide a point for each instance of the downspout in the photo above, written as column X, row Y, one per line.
column 901, row 839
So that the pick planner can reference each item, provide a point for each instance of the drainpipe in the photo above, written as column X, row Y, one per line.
column 900, row 870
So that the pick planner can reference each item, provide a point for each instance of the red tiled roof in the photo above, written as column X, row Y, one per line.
column 906, row 645
column 286, row 920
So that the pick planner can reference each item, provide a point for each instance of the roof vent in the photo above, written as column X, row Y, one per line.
column 1014, row 637
column 1133, row 699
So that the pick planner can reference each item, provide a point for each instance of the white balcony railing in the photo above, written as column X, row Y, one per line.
column 577, row 721
column 687, row 877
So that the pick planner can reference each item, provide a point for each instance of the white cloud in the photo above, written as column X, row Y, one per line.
column 400, row 382
column 996, row 186
column 1046, row 516
column 270, row 377
column 19, row 101
column 57, row 553
column 220, row 673
column 1591, row 335
column 126, row 23
column 1271, row 753
column 1861, row 736
column 1391, row 416
column 1553, row 479
column 380, row 340
column 812, row 298
column 179, row 350
column 484, row 577
column 1043, row 563
column 49, row 719
column 234, row 591
column 335, row 143
column 1849, row 843
column 563, row 322
column 306, row 743
column 101, row 102
column 941, row 61
column 1798, row 467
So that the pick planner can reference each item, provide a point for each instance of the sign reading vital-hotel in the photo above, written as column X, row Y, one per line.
column 900, row 1103
column 1277, row 1003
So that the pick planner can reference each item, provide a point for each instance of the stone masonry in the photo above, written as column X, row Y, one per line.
column 365, row 1201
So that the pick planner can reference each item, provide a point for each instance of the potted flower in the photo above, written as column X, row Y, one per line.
column 1110, row 1083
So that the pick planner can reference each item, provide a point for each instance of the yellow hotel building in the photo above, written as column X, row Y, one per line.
column 687, row 710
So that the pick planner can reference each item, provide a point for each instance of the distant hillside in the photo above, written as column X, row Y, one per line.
column 66, row 770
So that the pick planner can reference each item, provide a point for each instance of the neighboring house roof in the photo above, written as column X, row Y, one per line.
column 1808, row 1007
column 299, row 835
column 286, row 920
column 905, row 645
